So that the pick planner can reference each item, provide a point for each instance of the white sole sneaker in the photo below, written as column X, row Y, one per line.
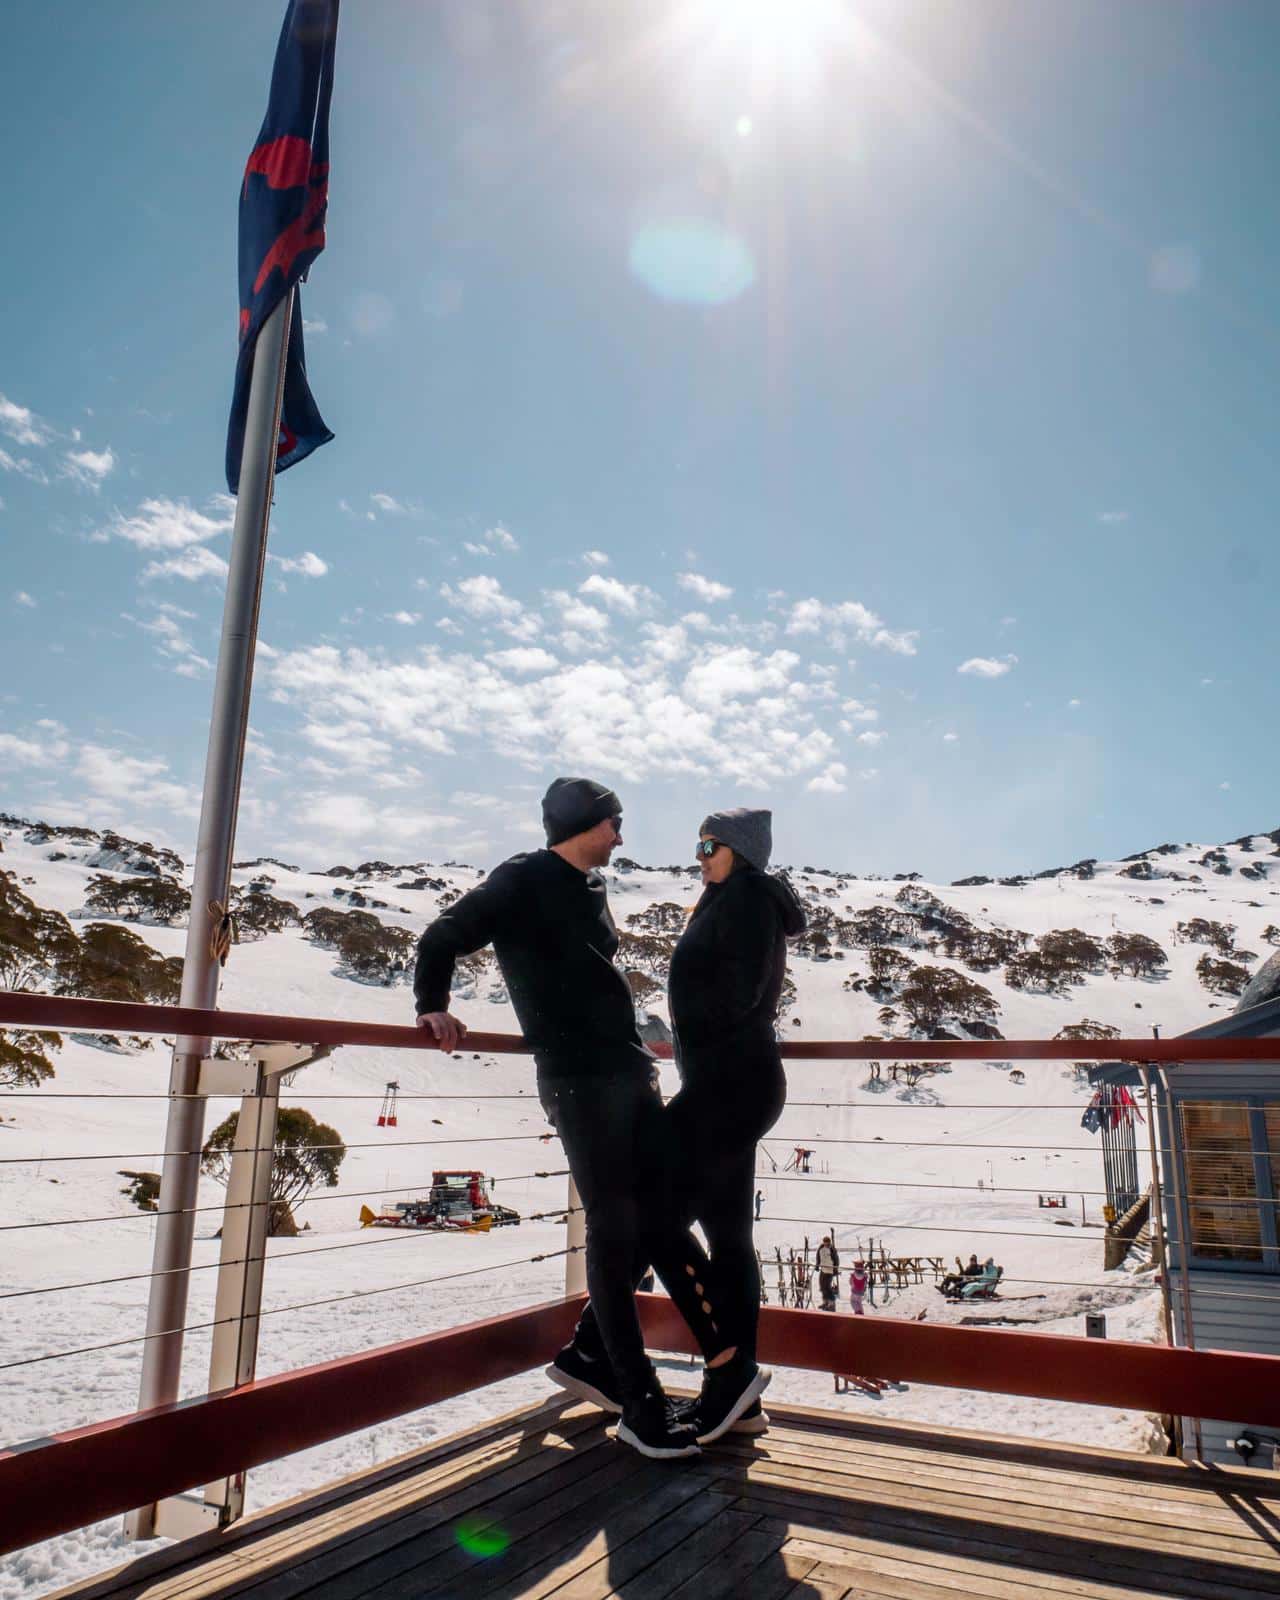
column 653, row 1451
column 750, row 1394
column 757, row 1424
column 580, row 1389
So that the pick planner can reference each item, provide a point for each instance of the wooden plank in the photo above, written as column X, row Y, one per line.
column 593, row 1540
column 284, row 1551
column 1116, row 1531
column 620, row 1562
column 382, row 1552
column 1020, row 1450
column 1200, row 1524
column 132, row 1577
column 1045, row 1463
column 752, row 1566
column 657, row 1581
column 570, row 1512
column 812, row 1587
column 1031, row 1551
column 955, row 1576
column 874, row 1585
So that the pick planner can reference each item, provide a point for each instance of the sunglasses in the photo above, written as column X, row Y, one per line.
column 707, row 848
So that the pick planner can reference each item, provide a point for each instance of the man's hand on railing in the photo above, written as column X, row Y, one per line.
column 449, row 1031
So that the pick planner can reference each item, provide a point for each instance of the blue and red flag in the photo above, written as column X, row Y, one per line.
column 282, row 211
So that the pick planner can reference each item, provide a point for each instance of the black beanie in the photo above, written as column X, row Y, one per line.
column 572, row 805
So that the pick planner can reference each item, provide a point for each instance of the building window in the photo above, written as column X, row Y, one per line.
column 1233, row 1180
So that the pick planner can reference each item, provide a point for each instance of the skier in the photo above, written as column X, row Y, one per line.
column 858, row 1287
column 828, row 1267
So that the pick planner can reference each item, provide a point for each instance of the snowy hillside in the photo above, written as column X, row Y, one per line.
column 954, row 1163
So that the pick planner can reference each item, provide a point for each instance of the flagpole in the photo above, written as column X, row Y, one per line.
column 184, row 1133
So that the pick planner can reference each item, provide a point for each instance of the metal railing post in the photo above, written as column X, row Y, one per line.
column 575, row 1263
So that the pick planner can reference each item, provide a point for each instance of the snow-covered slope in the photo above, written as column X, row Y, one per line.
column 954, row 1164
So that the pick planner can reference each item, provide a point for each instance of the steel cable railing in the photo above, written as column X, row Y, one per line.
column 401, row 1236
column 246, row 1205
column 215, row 1024
column 275, row 1311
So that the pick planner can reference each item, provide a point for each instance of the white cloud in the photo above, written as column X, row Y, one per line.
column 483, row 599
column 23, row 466
column 113, row 775
column 873, row 736
column 583, row 625
column 830, row 780
column 22, row 598
column 595, row 558
column 314, row 325
column 630, row 599
column 1224, row 786
column 406, row 619
column 170, row 524
column 1113, row 516
column 89, row 467
column 730, row 716
column 22, row 425
column 837, row 621
column 706, row 589
column 192, row 565
column 501, row 538
column 389, row 504
column 856, row 711
column 308, row 564
column 173, row 641
column 950, row 738
column 726, row 673
column 1074, row 705
column 15, row 751
column 988, row 666
column 524, row 659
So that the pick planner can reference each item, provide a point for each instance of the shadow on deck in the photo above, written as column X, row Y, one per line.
column 822, row 1507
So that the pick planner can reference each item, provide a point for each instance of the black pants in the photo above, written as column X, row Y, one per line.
column 614, row 1133
column 724, row 1108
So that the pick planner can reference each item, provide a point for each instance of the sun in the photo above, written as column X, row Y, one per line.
column 780, row 28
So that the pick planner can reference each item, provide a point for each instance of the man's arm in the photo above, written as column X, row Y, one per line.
column 467, row 926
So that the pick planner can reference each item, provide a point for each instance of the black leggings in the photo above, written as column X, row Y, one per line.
column 615, row 1137
column 714, row 1124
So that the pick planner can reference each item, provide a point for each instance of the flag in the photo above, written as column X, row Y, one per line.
column 282, row 212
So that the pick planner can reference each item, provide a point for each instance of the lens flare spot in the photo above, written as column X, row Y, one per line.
column 480, row 1538
column 743, row 125
column 693, row 261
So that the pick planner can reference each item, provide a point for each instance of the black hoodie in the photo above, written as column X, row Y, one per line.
column 728, row 967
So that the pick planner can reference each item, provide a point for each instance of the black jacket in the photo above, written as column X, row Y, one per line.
column 554, row 938
column 728, row 967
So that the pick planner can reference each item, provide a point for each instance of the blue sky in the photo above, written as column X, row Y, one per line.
column 861, row 407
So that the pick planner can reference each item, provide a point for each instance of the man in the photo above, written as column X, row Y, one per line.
column 828, row 1267
column 546, row 913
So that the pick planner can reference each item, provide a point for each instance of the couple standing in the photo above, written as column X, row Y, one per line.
column 645, row 1172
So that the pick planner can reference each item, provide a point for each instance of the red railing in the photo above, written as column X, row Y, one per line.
column 62, row 1482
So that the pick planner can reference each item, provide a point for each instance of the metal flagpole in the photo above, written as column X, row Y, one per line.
column 184, row 1133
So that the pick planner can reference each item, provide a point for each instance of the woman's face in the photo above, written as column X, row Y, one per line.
column 715, row 868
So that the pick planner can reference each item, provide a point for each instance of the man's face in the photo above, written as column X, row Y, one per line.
column 604, row 839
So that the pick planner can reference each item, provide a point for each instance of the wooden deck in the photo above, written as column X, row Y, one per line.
column 822, row 1506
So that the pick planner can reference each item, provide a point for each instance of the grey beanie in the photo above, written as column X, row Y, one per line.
column 749, row 833
column 572, row 805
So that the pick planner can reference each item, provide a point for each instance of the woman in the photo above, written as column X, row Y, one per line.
column 725, row 983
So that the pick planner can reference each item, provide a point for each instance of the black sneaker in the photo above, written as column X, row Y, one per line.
column 648, row 1426
column 586, row 1378
column 728, row 1393
column 755, row 1419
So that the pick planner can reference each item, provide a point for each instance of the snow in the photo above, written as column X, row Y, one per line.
column 951, row 1166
